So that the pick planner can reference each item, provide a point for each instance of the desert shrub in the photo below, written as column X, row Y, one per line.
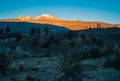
column 46, row 44
column 22, row 66
column 57, row 41
column 7, row 30
column 113, row 62
column 54, row 40
column 2, row 35
column 94, row 53
column 83, row 36
column 98, row 26
column 107, row 50
column 1, row 31
column 33, row 31
column 13, row 68
column 30, row 78
column 71, row 69
column 97, row 47
column 31, row 44
column 51, row 38
column 72, row 43
column 72, row 74
column 38, row 31
column 5, row 60
column 25, row 44
column 71, row 34
column 70, row 66
column 46, row 30
column 18, row 36
column 14, row 78
column 95, row 41
column 86, row 52
column 34, row 43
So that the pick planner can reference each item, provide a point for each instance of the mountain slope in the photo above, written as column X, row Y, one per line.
column 70, row 24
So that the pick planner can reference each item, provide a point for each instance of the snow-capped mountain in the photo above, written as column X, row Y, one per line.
column 48, row 17
column 42, row 17
column 53, row 20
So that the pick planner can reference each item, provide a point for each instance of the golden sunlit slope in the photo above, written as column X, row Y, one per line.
column 48, row 19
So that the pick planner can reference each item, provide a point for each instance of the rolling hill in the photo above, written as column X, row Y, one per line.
column 27, row 26
column 70, row 24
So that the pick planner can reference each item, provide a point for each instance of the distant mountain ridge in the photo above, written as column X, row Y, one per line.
column 42, row 17
column 53, row 20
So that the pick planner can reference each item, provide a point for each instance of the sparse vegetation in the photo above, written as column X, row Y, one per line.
column 7, row 30
column 59, row 56
column 22, row 66
column 33, row 31
column 29, row 78
column 46, row 30
column 38, row 31
column 18, row 36
column 13, row 68
column 1, row 31
column 99, row 26
column 4, row 62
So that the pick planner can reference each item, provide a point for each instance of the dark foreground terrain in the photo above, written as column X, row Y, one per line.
column 86, row 55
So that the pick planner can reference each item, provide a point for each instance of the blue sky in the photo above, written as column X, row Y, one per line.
column 87, row 10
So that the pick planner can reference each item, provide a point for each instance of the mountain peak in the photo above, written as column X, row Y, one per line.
column 42, row 17
column 48, row 17
column 25, row 17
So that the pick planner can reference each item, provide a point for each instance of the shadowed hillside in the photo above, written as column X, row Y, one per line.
column 26, row 26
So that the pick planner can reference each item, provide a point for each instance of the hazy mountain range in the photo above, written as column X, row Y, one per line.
column 70, row 24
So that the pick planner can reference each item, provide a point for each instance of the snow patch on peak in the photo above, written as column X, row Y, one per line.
column 42, row 17
column 48, row 17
